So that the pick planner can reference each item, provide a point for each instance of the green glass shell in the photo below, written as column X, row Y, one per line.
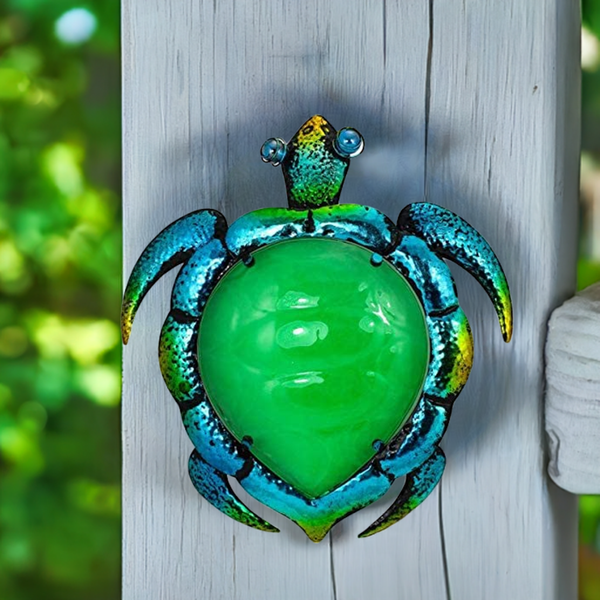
column 315, row 354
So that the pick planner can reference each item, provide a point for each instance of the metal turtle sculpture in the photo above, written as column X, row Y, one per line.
column 315, row 351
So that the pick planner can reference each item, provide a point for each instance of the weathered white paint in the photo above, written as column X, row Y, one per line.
column 471, row 105
column 573, row 393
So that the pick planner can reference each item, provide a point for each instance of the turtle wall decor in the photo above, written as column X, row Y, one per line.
column 315, row 351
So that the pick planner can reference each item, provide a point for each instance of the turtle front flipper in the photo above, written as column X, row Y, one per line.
column 214, row 487
column 453, row 238
column 171, row 247
column 418, row 485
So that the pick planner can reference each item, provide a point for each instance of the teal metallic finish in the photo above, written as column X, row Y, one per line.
column 314, row 165
column 213, row 441
column 432, row 277
column 194, row 282
column 453, row 238
column 215, row 488
column 316, row 516
column 171, row 247
column 417, row 441
column 313, row 171
column 179, row 359
column 419, row 484
column 347, row 222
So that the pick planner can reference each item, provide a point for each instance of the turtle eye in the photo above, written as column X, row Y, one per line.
column 273, row 151
column 349, row 143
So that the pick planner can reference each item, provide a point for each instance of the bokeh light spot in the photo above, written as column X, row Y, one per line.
column 590, row 50
column 19, row 447
column 83, row 339
column 62, row 163
column 101, row 384
column 76, row 26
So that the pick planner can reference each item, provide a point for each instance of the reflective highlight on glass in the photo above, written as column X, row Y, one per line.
column 273, row 151
column 349, row 143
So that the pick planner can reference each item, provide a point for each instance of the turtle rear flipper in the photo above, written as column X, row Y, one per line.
column 453, row 238
column 215, row 488
column 418, row 485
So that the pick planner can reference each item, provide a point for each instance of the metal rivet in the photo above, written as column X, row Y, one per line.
column 376, row 259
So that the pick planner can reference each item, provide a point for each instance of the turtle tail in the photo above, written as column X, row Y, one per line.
column 171, row 247
column 453, row 238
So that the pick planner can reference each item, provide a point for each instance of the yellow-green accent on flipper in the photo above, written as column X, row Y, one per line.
column 451, row 355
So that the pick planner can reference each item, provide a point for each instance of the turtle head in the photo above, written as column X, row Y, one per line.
column 314, row 161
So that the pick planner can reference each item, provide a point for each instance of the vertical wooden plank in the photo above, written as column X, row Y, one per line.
column 502, row 150
column 405, row 561
column 444, row 96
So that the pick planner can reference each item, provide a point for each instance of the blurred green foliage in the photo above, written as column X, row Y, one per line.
column 59, row 300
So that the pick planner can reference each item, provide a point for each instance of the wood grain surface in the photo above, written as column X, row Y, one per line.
column 471, row 105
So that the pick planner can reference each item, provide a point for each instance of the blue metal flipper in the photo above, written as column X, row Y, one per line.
column 418, row 485
column 215, row 488
column 453, row 238
column 172, row 246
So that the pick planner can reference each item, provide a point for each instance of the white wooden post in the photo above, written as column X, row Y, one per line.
column 471, row 105
column 573, row 393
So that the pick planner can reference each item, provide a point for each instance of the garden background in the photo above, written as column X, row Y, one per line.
column 60, row 287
